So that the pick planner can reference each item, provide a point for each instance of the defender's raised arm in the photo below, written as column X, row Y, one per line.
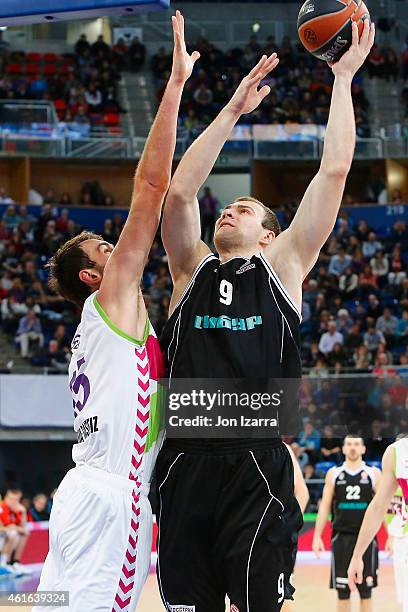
column 125, row 267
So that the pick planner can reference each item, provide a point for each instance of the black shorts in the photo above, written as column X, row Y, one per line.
column 342, row 550
column 226, row 524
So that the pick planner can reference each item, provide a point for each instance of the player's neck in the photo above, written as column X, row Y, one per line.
column 354, row 465
column 226, row 255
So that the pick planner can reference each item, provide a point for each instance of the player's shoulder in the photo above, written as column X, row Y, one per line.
column 333, row 473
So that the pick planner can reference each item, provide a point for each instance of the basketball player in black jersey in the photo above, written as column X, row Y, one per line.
column 227, row 508
column 347, row 493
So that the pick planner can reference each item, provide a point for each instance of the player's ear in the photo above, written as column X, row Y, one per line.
column 267, row 237
column 90, row 277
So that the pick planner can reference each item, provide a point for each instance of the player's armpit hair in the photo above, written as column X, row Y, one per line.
column 64, row 268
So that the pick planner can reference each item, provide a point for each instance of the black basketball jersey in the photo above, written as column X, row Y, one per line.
column 353, row 491
column 234, row 320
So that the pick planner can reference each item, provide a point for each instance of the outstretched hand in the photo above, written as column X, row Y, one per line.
column 247, row 97
column 355, row 57
column 183, row 62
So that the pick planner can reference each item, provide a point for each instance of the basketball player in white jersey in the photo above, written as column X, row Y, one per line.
column 347, row 493
column 394, row 478
column 101, row 521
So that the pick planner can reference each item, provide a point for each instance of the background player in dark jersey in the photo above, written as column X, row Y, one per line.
column 348, row 491
column 227, row 510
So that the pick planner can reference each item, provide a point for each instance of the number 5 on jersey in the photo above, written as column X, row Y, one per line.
column 226, row 290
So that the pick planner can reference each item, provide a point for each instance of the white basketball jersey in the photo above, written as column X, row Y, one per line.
column 113, row 381
column 397, row 515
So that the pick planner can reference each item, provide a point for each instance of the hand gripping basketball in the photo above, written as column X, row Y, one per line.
column 355, row 57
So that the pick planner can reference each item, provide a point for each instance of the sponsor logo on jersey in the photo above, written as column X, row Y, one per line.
column 224, row 322
column 364, row 478
column 245, row 267
column 76, row 342
column 88, row 427
column 181, row 608
column 342, row 478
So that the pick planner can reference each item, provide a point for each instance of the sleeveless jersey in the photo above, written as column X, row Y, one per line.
column 397, row 514
column 113, row 382
column 234, row 320
column 353, row 491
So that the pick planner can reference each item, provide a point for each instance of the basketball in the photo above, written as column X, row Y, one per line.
column 325, row 26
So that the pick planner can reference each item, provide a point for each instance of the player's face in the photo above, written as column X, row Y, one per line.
column 99, row 252
column 353, row 448
column 13, row 501
column 240, row 226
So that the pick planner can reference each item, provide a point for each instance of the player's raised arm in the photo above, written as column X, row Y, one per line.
column 317, row 213
column 152, row 179
column 181, row 229
column 373, row 518
column 323, row 513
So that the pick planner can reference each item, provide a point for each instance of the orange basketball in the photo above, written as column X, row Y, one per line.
column 324, row 26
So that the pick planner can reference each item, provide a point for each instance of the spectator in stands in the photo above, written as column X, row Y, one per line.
column 330, row 447
column 61, row 223
column 39, row 510
column 353, row 340
column 82, row 45
column 29, row 329
column 39, row 87
column 397, row 273
column 362, row 358
column 368, row 281
column 387, row 325
column 117, row 225
column 315, row 490
column 81, row 115
column 13, row 524
column 10, row 217
column 344, row 322
column 371, row 245
column 402, row 328
column 61, row 337
column 49, row 198
column 65, row 199
column 330, row 338
column 52, row 357
column 391, row 63
column 208, row 210
column 380, row 267
column 137, row 54
column 93, row 98
column 108, row 200
column 339, row 263
column 348, row 283
column 52, row 239
column 309, row 442
column 375, row 62
column 100, row 46
column 372, row 339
